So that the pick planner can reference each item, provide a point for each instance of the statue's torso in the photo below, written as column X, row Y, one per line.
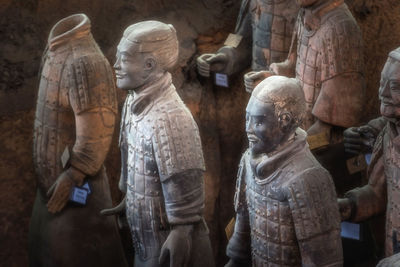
column 272, row 24
column 141, row 135
column 329, row 46
column 273, row 233
column 54, row 127
column 391, row 155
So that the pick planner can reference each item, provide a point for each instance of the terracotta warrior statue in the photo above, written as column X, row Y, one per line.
column 74, row 123
column 328, row 62
column 286, row 213
column 382, row 193
column 162, row 159
column 263, row 32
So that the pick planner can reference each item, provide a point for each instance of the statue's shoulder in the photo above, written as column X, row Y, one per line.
column 176, row 138
column 90, row 83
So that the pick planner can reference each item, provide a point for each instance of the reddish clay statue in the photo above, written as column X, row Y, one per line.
column 74, row 123
column 382, row 193
column 162, row 159
column 285, row 200
column 328, row 62
column 263, row 32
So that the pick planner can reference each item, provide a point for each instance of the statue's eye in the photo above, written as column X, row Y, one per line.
column 395, row 86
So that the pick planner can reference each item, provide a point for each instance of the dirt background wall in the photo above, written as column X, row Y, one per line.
column 202, row 27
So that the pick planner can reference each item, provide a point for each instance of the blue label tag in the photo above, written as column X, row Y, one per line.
column 79, row 195
column 350, row 230
column 368, row 158
column 221, row 79
column 87, row 187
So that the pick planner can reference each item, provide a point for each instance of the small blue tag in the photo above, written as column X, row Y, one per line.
column 368, row 158
column 221, row 79
column 87, row 187
column 79, row 195
column 350, row 230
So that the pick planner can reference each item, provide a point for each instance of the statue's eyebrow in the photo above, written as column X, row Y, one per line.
column 125, row 53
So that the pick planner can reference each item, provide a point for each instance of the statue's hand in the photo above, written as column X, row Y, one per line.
column 284, row 68
column 345, row 208
column 178, row 246
column 120, row 208
column 120, row 211
column 60, row 191
column 211, row 62
column 252, row 78
column 391, row 261
column 359, row 139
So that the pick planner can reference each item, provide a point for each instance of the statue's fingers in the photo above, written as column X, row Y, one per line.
column 352, row 146
column 204, row 68
column 216, row 58
column 51, row 190
column 351, row 133
column 348, row 140
column 352, row 151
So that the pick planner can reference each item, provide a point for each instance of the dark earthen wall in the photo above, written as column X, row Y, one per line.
column 202, row 27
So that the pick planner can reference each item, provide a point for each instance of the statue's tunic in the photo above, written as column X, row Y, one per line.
column 330, row 64
column 382, row 193
column 76, row 79
column 162, row 170
column 267, row 28
column 286, row 208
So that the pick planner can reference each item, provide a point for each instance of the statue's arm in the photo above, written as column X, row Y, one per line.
column 369, row 200
column 239, row 246
column 312, row 201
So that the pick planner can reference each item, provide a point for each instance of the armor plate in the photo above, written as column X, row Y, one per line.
column 161, row 141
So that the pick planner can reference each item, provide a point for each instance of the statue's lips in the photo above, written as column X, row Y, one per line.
column 252, row 138
column 120, row 75
column 389, row 104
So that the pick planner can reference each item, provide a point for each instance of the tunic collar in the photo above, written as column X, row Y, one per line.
column 266, row 168
column 143, row 100
column 312, row 16
column 70, row 28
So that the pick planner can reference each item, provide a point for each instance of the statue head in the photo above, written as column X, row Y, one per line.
column 146, row 51
column 389, row 90
column 275, row 109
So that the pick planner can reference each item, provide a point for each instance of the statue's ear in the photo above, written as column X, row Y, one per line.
column 285, row 120
column 150, row 63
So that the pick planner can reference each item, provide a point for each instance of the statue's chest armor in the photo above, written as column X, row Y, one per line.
column 273, row 235
column 145, row 203
column 54, row 127
column 392, row 174
column 142, row 169
column 308, row 68
column 272, row 23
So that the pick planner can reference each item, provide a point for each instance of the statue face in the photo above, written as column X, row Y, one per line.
column 262, row 127
column 131, row 68
column 306, row 3
column 389, row 90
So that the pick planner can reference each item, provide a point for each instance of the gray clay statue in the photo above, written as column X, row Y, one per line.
column 327, row 58
column 285, row 201
column 74, row 124
column 162, row 159
column 382, row 193
column 263, row 33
